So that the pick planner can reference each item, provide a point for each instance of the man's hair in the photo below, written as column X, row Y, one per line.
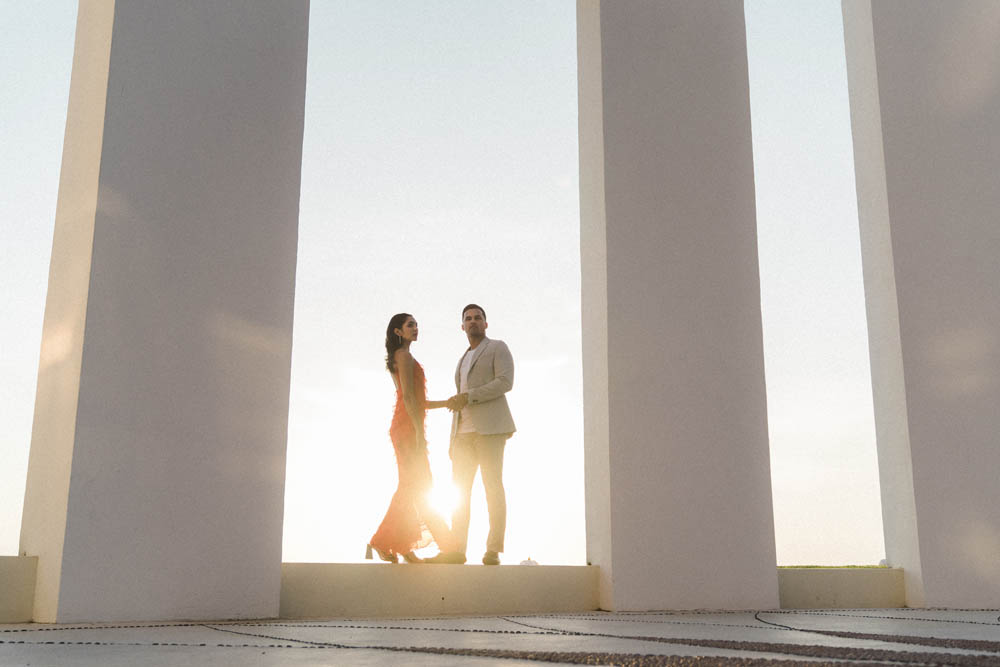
column 470, row 307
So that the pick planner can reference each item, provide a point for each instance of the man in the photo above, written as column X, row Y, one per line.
column 481, row 424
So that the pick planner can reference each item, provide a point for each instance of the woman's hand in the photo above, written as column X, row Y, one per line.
column 457, row 402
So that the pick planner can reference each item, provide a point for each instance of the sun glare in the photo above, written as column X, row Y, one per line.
column 443, row 498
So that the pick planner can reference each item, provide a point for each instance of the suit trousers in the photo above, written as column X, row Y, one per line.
column 469, row 452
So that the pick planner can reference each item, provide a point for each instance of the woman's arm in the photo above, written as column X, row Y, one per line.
column 404, row 366
column 431, row 405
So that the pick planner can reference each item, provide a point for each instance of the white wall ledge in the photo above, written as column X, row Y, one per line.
column 17, row 588
column 330, row 590
column 841, row 587
column 313, row 590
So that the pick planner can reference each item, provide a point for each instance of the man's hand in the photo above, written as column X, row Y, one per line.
column 457, row 402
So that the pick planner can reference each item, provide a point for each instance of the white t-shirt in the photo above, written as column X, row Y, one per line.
column 465, row 423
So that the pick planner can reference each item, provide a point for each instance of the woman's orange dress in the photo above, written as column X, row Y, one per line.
column 404, row 529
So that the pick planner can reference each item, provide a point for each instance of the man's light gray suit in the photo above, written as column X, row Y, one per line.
column 491, row 376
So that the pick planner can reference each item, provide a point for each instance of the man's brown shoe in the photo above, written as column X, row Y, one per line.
column 447, row 558
column 491, row 558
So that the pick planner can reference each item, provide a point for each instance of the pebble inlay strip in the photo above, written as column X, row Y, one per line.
column 812, row 651
column 571, row 658
column 963, row 644
column 639, row 660
column 867, row 656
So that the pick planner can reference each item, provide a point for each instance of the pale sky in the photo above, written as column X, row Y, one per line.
column 440, row 167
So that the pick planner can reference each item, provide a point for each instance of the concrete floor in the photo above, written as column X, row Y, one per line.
column 862, row 636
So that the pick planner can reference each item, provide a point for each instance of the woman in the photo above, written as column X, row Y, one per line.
column 410, row 517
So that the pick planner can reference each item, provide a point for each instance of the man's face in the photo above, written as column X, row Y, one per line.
column 473, row 323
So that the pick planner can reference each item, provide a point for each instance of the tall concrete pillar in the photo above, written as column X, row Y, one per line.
column 678, row 480
column 924, row 83
column 156, row 476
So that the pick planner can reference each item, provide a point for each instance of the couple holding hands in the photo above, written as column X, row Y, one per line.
column 481, row 424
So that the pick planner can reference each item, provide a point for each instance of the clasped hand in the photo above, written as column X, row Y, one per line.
column 457, row 402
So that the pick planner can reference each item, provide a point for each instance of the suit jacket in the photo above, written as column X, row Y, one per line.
column 490, row 378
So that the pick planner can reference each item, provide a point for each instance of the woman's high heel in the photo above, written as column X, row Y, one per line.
column 411, row 557
column 387, row 556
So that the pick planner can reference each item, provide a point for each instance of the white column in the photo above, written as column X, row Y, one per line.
column 677, row 468
column 156, row 477
column 925, row 108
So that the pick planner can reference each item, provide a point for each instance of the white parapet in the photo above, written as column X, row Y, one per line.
column 925, row 109
column 677, row 467
column 841, row 587
column 156, row 475
column 313, row 590
column 17, row 588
